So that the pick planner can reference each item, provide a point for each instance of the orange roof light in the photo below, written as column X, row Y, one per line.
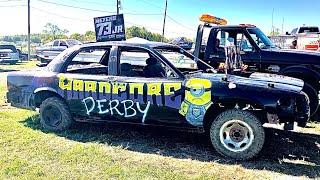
column 212, row 19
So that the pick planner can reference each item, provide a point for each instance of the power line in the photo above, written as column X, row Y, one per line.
column 167, row 15
column 12, row 6
column 88, row 9
column 10, row 1
column 151, row 4
column 95, row 10
column 153, row 28
column 59, row 14
column 92, row 20
column 97, row 3
column 180, row 23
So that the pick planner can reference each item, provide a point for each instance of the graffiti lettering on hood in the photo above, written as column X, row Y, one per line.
column 125, row 108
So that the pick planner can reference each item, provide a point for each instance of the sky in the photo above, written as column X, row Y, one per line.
column 182, row 20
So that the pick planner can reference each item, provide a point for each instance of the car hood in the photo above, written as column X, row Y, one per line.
column 291, row 56
column 300, row 51
column 261, row 80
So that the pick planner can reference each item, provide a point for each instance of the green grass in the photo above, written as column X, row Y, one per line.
column 19, row 66
column 95, row 151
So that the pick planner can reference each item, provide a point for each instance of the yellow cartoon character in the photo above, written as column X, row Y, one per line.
column 197, row 100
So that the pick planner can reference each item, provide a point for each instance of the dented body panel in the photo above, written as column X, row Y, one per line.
column 182, row 101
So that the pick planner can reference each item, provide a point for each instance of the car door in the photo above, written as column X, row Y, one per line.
column 151, row 100
column 248, row 52
column 83, row 81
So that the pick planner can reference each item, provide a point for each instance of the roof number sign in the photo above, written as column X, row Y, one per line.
column 110, row 28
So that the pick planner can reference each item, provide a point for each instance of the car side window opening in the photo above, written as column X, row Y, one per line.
column 244, row 43
column 56, row 43
column 294, row 31
column 221, row 40
column 63, row 43
column 136, row 62
column 90, row 61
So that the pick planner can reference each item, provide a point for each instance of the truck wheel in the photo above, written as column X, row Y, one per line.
column 237, row 134
column 312, row 97
column 55, row 114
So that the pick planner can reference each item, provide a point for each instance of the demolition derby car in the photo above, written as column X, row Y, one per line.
column 113, row 88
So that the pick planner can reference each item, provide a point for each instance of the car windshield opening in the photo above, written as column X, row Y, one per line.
column 261, row 39
column 73, row 42
column 183, row 60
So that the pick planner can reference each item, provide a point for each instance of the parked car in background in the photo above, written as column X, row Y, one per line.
column 48, row 51
column 305, row 38
column 304, row 29
column 9, row 54
column 113, row 88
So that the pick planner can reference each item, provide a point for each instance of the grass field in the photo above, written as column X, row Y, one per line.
column 96, row 151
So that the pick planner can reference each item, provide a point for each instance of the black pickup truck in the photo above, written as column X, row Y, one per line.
column 260, row 55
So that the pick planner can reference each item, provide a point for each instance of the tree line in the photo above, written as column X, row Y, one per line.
column 51, row 32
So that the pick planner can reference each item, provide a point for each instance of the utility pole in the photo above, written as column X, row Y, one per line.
column 272, row 30
column 118, row 6
column 164, row 20
column 28, row 30
column 282, row 25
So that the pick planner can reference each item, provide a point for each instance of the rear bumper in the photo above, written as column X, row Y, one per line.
column 23, row 100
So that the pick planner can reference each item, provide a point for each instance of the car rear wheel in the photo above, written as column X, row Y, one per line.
column 55, row 114
column 237, row 134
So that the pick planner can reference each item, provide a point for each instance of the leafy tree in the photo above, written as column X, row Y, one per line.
column 7, row 39
column 89, row 36
column 77, row 36
column 275, row 33
column 54, row 30
column 135, row 31
column 35, row 40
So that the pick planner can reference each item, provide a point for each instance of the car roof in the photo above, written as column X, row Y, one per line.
column 150, row 44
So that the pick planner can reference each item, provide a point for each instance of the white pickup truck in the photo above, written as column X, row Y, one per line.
column 47, row 52
column 305, row 38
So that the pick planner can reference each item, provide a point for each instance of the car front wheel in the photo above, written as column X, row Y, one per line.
column 237, row 134
column 55, row 114
column 312, row 98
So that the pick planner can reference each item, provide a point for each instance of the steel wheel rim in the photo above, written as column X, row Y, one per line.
column 236, row 135
column 52, row 116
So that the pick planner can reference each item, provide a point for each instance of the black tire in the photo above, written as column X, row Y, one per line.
column 241, row 123
column 55, row 114
column 313, row 97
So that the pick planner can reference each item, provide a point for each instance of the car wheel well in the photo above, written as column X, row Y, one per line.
column 43, row 95
column 224, row 104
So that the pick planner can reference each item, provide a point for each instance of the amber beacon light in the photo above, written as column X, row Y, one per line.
column 212, row 19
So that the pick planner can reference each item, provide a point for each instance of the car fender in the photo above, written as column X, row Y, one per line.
column 45, row 89
column 237, row 99
column 301, row 69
